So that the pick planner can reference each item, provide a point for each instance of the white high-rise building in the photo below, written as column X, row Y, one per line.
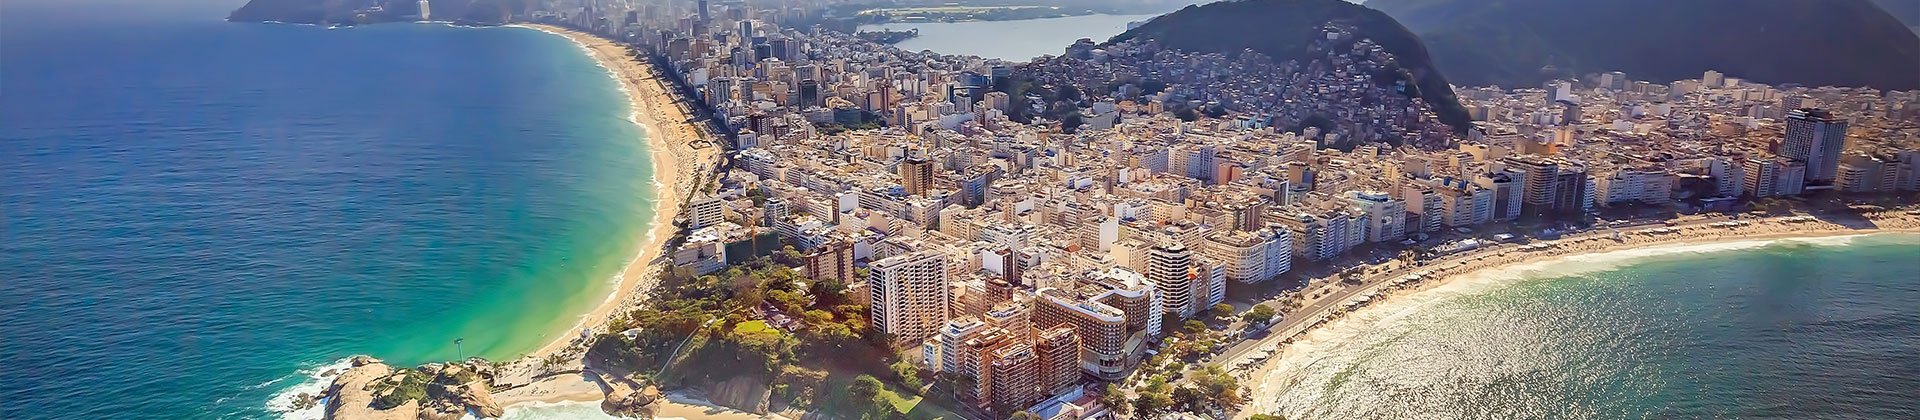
column 909, row 295
column 706, row 211
column 1170, row 267
column 1386, row 215
column 1252, row 257
column 1815, row 137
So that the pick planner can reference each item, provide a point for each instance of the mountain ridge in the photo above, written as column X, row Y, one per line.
column 1510, row 42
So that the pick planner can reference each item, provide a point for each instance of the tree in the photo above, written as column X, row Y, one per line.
column 1152, row 403
column 1219, row 388
column 801, row 383
column 1189, row 399
column 553, row 361
column 1222, row 310
column 1259, row 314
column 827, row 293
column 1115, row 398
column 878, row 408
column 864, row 388
column 908, row 374
column 1267, row 417
column 1193, row 327
column 1024, row 415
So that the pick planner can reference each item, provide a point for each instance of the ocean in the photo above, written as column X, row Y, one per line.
column 1811, row 328
column 198, row 215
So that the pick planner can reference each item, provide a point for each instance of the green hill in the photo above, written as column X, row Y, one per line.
column 1812, row 42
column 1284, row 29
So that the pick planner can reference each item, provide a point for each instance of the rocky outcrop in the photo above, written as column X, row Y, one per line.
column 640, row 403
column 373, row 390
column 747, row 393
column 352, row 394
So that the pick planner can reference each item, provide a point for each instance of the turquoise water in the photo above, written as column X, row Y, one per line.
column 195, row 211
column 1802, row 329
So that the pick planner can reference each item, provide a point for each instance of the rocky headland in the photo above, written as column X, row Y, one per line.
column 372, row 389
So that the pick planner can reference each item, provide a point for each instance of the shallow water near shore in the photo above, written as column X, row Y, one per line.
column 1791, row 328
column 202, row 215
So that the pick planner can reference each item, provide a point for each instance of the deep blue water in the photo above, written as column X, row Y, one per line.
column 1819, row 329
column 195, row 211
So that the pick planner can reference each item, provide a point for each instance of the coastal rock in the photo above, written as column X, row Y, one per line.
column 482, row 367
column 638, row 403
column 476, row 397
column 442, row 410
column 745, row 393
column 351, row 395
column 452, row 390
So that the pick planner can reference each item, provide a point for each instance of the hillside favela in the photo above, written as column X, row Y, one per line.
column 893, row 209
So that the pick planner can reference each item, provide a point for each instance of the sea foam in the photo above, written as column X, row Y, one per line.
column 313, row 381
column 1307, row 350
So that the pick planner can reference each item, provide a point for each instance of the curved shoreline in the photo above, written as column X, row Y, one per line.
column 669, row 132
column 644, row 92
column 1260, row 360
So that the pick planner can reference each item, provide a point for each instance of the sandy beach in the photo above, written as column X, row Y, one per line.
column 669, row 136
column 1258, row 361
column 679, row 167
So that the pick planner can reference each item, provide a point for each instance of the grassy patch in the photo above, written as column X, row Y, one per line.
column 905, row 403
column 754, row 327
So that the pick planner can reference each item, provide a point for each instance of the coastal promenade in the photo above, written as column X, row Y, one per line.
column 1250, row 359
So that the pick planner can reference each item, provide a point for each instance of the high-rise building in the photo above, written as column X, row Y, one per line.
column 1386, row 215
column 706, row 211
column 1759, row 176
column 1252, row 256
column 1613, row 80
column 830, row 261
column 1170, row 267
column 809, row 92
column 916, row 175
column 1509, row 192
column 1015, row 380
column 1815, row 138
column 1059, row 349
column 1554, row 186
column 1102, row 329
column 975, row 362
column 951, row 342
column 909, row 295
